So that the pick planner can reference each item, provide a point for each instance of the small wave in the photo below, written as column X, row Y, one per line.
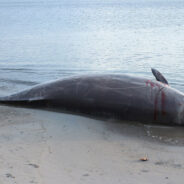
column 28, row 83
column 16, row 69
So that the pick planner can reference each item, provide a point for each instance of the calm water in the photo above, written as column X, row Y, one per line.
column 45, row 40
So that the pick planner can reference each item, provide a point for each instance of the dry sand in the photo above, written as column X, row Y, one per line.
column 47, row 147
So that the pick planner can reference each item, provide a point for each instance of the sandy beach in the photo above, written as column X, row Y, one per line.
column 43, row 147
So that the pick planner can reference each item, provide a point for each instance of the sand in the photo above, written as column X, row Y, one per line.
column 43, row 147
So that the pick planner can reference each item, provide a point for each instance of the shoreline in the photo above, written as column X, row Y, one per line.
column 49, row 147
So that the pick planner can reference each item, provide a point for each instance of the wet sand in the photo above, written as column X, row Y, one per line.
column 45, row 147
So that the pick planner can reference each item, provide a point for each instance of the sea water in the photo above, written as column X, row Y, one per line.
column 46, row 40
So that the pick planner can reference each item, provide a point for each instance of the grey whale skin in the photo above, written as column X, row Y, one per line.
column 118, row 96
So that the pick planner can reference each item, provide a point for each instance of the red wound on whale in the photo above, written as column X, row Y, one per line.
column 163, row 103
column 152, row 84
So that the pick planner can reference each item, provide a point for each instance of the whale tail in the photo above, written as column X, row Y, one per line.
column 159, row 76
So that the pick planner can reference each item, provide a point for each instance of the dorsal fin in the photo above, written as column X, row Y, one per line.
column 159, row 76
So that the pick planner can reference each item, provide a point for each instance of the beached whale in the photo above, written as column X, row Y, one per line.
column 117, row 96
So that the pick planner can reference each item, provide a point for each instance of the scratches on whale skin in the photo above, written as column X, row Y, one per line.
column 163, row 103
column 156, row 107
column 163, row 112
column 152, row 84
column 148, row 82
column 156, row 99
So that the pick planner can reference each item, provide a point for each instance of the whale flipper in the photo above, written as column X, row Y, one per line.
column 159, row 76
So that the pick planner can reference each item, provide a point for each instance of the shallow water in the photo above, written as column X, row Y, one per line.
column 163, row 134
column 166, row 134
column 45, row 40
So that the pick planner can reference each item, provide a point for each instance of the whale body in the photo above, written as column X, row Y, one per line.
column 117, row 96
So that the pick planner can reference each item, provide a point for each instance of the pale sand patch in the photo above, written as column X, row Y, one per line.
column 47, row 147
